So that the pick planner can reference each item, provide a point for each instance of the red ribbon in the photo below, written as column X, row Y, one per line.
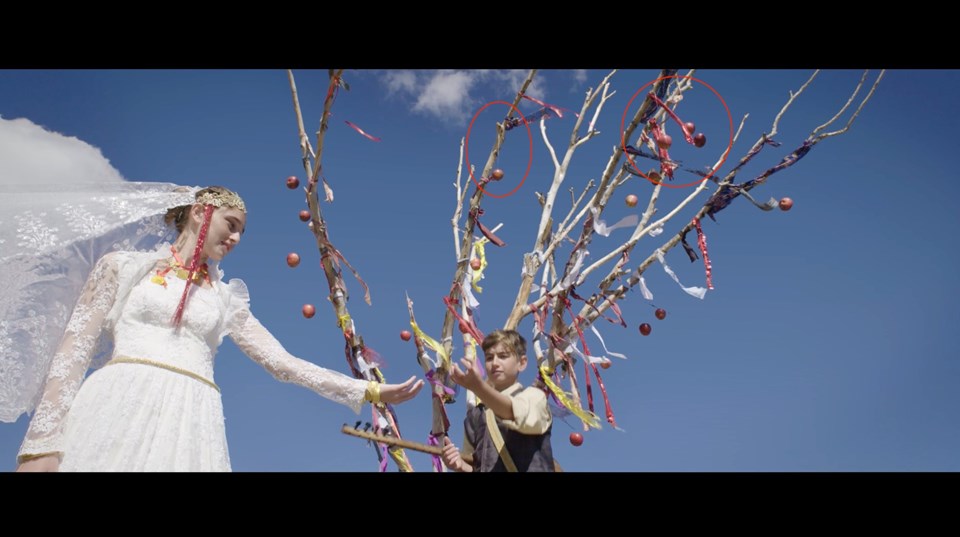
column 194, row 263
column 702, row 243
column 555, row 109
column 616, row 309
column 606, row 402
column 665, row 164
column 586, row 351
column 471, row 327
column 361, row 131
column 332, row 251
column 483, row 229
column 686, row 135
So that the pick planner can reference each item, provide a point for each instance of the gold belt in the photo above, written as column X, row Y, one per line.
column 168, row 367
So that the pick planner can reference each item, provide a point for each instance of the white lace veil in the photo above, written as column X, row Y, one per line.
column 52, row 232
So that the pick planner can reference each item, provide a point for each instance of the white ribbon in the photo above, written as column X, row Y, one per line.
column 575, row 271
column 465, row 291
column 605, row 349
column 591, row 359
column 643, row 289
column 698, row 292
column 602, row 228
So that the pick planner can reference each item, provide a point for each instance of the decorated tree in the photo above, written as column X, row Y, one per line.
column 564, row 286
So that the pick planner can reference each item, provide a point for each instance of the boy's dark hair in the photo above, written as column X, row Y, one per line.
column 511, row 338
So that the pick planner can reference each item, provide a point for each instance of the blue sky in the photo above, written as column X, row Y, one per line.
column 824, row 346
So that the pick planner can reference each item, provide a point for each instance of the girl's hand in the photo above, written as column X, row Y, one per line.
column 398, row 393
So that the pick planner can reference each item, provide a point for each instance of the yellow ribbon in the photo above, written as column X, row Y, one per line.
column 478, row 274
column 565, row 399
column 399, row 457
column 343, row 320
column 432, row 344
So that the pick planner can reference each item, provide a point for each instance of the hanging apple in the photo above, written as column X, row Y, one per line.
column 576, row 439
column 497, row 174
column 309, row 310
column 292, row 182
column 293, row 259
column 475, row 263
column 661, row 313
column 786, row 204
column 689, row 127
column 645, row 329
column 304, row 215
column 405, row 335
column 665, row 141
column 632, row 200
column 700, row 139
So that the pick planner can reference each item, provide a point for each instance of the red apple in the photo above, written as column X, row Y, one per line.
column 475, row 263
column 700, row 139
column 632, row 200
column 786, row 204
column 689, row 127
column 654, row 176
column 497, row 174
column 576, row 439
column 645, row 329
column 405, row 335
column 665, row 141
column 309, row 310
column 292, row 182
column 605, row 364
column 304, row 215
column 293, row 259
column 661, row 313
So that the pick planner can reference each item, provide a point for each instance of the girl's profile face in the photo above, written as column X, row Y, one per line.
column 226, row 228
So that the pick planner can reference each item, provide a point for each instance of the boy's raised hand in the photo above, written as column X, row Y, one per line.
column 468, row 377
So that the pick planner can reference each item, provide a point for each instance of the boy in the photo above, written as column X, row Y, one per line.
column 522, row 421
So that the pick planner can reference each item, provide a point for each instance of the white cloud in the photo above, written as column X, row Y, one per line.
column 400, row 81
column 451, row 95
column 30, row 153
column 580, row 75
column 446, row 95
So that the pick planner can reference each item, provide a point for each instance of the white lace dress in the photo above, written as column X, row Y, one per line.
column 155, row 407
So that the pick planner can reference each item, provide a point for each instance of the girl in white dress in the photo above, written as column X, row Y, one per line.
column 155, row 405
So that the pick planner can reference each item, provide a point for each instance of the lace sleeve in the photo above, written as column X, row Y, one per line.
column 72, row 359
column 260, row 345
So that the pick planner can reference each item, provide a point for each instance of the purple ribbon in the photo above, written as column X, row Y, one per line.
column 432, row 440
column 430, row 378
column 383, row 459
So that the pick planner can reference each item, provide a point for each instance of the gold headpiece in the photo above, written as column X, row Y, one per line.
column 219, row 199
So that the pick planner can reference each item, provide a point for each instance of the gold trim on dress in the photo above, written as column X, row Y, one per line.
column 168, row 367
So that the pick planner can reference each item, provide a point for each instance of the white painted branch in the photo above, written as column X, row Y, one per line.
column 793, row 97
column 461, row 193
column 546, row 141
column 846, row 105
column 859, row 108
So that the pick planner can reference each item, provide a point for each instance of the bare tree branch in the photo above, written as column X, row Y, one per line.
column 461, row 193
column 786, row 106
column 859, row 108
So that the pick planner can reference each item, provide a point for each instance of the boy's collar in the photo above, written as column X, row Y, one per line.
column 512, row 389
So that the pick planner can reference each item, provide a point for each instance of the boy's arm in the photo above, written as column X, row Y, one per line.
column 530, row 414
